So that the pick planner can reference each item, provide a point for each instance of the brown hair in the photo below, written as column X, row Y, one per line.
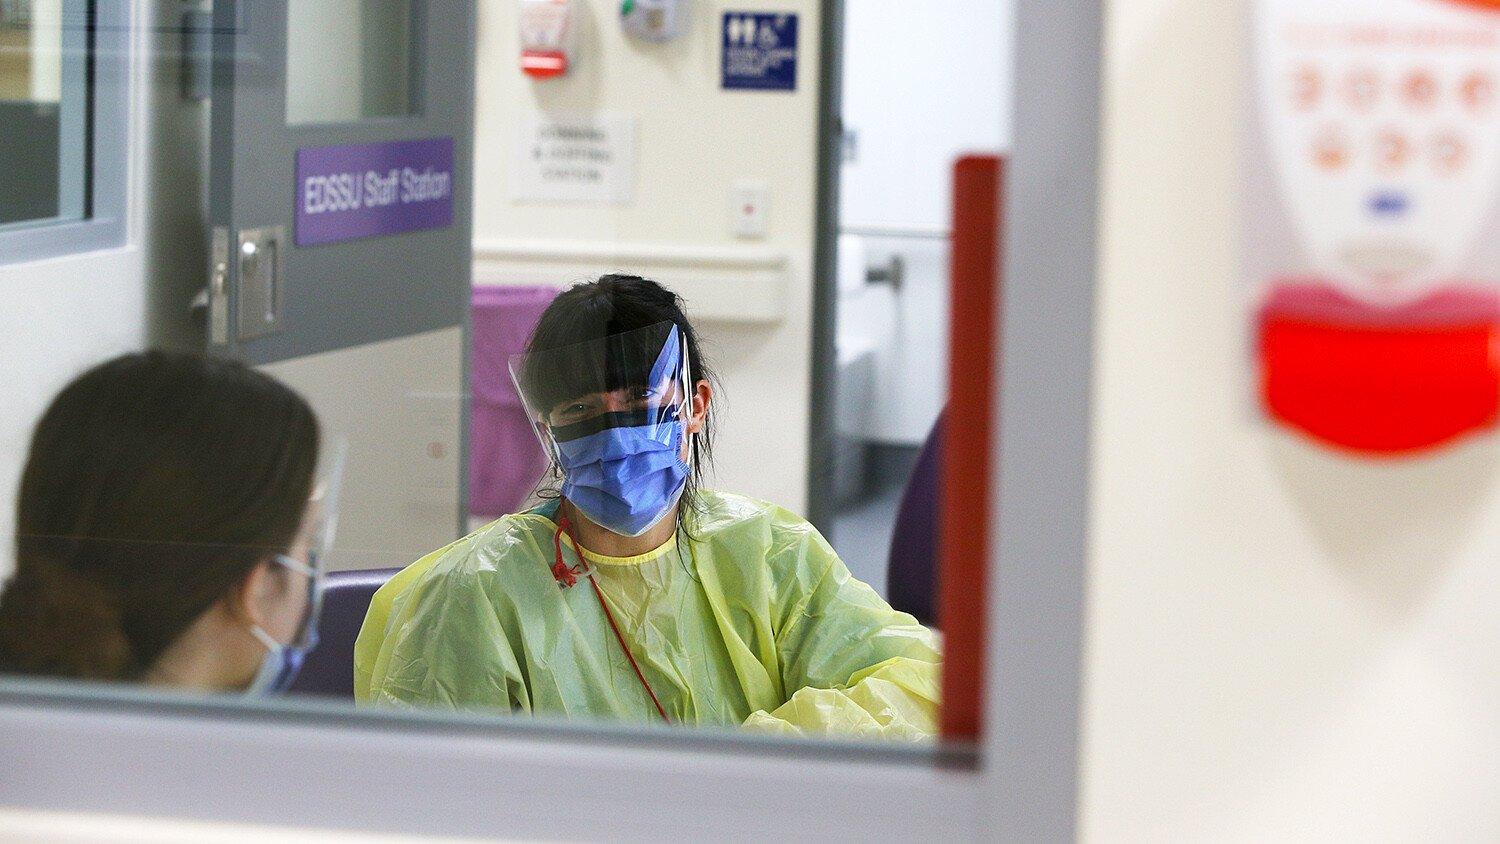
column 155, row 484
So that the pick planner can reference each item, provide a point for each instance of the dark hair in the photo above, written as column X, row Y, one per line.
column 617, row 309
column 155, row 484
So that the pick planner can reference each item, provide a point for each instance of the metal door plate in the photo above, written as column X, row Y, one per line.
column 262, row 281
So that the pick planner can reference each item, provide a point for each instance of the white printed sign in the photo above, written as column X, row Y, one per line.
column 582, row 158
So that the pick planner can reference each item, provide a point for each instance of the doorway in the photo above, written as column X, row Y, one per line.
column 883, row 303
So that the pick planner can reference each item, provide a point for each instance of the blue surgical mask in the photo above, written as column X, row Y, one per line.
column 279, row 667
column 627, row 475
column 625, row 471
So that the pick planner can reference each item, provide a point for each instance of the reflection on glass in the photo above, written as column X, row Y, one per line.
column 168, row 530
column 348, row 60
column 41, row 101
column 176, row 542
column 631, row 592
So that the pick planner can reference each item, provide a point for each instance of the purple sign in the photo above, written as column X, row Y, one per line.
column 369, row 190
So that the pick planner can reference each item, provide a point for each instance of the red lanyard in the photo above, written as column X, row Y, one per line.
column 567, row 577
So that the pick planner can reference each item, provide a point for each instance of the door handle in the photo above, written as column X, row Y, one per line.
column 216, row 295
column 262, row 281
column 893, row 273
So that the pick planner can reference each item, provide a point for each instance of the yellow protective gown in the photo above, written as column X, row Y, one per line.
column 753, row 621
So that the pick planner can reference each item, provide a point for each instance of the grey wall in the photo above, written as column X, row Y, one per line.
column 176, row 178
column 28, row 161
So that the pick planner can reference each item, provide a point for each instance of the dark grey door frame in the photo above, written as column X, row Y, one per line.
column 823, row 414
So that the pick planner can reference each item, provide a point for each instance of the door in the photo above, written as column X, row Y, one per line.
column 341, row 256
column 341, row 189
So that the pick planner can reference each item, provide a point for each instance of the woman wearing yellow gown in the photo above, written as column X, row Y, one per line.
column 632, row 593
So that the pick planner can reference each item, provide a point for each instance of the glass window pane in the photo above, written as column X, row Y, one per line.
column 651, row 644
column 42, row 112
column 348, row 60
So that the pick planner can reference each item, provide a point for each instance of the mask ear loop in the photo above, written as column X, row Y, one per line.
column 554, row 458
column 685, row 404
column 685, row 414
column 553, row 453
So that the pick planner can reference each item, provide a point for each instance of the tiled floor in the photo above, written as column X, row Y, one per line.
column 862, row 536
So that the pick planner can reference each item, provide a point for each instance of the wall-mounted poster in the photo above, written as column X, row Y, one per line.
column 1372, row 219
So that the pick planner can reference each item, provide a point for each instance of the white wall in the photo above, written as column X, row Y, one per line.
column 60, row 317
column 46, row 51
column 1282, row 643
column 695, row 141
column 924, row 83
column 395, row 406
column 57, row 318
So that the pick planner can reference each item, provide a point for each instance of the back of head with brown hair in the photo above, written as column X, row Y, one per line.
column 154, row 484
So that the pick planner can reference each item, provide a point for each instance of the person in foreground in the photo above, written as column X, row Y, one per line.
column 167, row 532
column 632, row 593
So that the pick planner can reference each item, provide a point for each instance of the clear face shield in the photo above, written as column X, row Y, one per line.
column 323, row 519
column 613, row 414
column 284, row 660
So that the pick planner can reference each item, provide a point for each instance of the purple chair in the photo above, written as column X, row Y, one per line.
column 329, row 669
column 912, row 575
column 505, row 459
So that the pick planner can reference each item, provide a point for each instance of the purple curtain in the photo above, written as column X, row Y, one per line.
column 505, row 459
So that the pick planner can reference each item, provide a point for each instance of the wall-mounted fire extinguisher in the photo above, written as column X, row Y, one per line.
column 548, row 31
column 1373, row 220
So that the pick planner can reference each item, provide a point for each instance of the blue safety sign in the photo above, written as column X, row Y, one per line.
column 760, row 51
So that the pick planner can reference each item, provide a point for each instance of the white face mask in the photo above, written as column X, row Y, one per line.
column 279, row 667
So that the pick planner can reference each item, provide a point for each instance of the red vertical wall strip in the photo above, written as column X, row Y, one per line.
column 968, row 441
column 1492, row 5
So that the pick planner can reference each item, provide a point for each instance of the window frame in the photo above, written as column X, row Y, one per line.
column 104, row 156
column 334, row 769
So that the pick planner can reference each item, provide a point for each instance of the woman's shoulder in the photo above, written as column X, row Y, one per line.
column 720, row 513
column 493, row 551
column 768, row 543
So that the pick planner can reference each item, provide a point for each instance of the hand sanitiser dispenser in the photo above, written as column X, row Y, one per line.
column 1372, row 240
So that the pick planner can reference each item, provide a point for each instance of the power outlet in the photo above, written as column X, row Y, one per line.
column 750, row 209
column 432, row 440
